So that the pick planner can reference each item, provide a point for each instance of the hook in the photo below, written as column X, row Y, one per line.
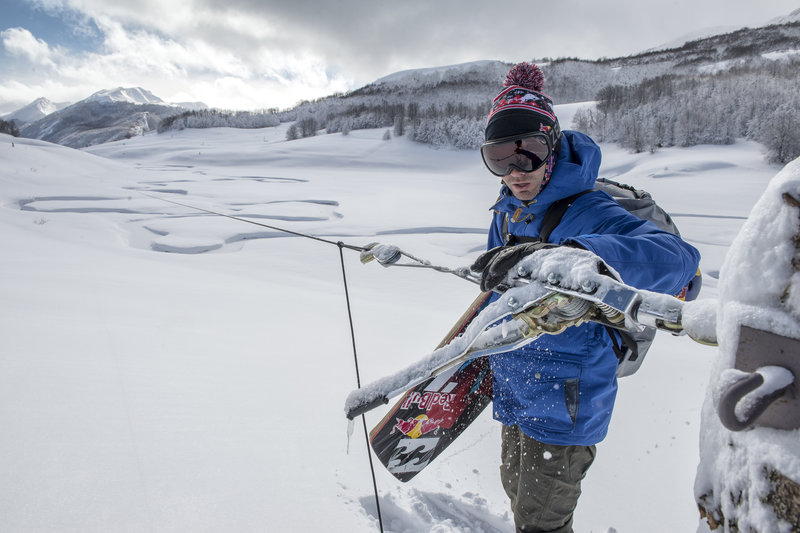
column 750, row 408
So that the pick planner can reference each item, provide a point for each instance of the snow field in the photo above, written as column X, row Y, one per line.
column 165, row 369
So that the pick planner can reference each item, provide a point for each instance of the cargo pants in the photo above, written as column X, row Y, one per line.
column 543, row 481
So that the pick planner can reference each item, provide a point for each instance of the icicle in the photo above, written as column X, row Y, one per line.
column 351, row 425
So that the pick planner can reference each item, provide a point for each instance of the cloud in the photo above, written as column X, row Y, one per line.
column 365, row 39
column 255, row 54
column 21, row 42
column 191, row 69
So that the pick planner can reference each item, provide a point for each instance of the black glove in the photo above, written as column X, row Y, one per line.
column 495, row 264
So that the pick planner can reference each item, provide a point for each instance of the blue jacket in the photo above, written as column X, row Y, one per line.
column 560, row 389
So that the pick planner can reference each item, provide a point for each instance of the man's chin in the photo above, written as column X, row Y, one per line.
column 524, row 195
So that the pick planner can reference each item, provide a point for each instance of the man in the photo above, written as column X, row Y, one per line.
column 555, row 396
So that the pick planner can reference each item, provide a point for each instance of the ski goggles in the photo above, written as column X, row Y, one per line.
column 522, row 152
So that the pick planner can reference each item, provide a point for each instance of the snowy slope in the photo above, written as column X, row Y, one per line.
column 693, row 36
column 476, row 71
column 794, row 16
column 149, row 391
column 704, row 33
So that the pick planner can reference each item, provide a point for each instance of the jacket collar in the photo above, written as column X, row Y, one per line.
column 575, row 170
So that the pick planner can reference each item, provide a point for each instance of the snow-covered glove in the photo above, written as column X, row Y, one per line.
column 568, row 265
column 495, row 264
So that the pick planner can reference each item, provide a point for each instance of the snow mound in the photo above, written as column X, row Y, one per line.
column 759, row 288
column 766, row 248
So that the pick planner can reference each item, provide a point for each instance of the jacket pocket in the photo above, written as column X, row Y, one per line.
column 550, row 401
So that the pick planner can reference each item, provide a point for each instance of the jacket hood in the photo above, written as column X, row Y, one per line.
column 575, row 170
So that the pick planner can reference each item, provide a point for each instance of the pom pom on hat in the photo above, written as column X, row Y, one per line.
column 525, row 75
column 522, row 108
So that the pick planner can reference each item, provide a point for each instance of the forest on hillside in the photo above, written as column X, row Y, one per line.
column 758, row 102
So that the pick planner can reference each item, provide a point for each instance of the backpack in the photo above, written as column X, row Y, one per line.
column 629, row 347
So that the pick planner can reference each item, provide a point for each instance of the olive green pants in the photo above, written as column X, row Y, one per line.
column 543, row 481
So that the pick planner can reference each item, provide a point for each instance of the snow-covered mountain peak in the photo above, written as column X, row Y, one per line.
column 32, row 112
column 133, row 95
column 44, row 105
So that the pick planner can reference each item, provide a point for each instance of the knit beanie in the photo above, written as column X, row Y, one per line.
column 522, row 108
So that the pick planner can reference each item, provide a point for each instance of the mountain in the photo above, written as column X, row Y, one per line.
column 477, row 71
column 34, row 111
column 131, row 95
column 139, row 96
column 428, row 86
column 447, row 106
column 694, row 36
column 794, row 16
column 105, row 116
column 576, row 80
column 191, row 106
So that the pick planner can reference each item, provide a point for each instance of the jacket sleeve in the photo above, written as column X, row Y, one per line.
column 645, row 256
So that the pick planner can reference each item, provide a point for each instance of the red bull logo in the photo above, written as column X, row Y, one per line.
column 416, row 427
column 429, row 399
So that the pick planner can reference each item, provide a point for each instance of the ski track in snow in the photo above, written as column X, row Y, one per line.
column 88, row 204
column 100, row 204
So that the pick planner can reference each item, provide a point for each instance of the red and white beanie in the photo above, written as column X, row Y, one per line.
column 522, row 108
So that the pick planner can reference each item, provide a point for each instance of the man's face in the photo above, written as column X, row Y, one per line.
column 525, row 185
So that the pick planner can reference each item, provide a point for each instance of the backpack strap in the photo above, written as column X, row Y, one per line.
column 625, row 348
column 551, row 219
column 554, row 214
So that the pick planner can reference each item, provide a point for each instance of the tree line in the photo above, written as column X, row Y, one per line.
column 217, row 118
column 9, row 128
column 758, row 102
column 446, row 124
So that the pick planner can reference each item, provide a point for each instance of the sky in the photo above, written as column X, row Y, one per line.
column 253, row 54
